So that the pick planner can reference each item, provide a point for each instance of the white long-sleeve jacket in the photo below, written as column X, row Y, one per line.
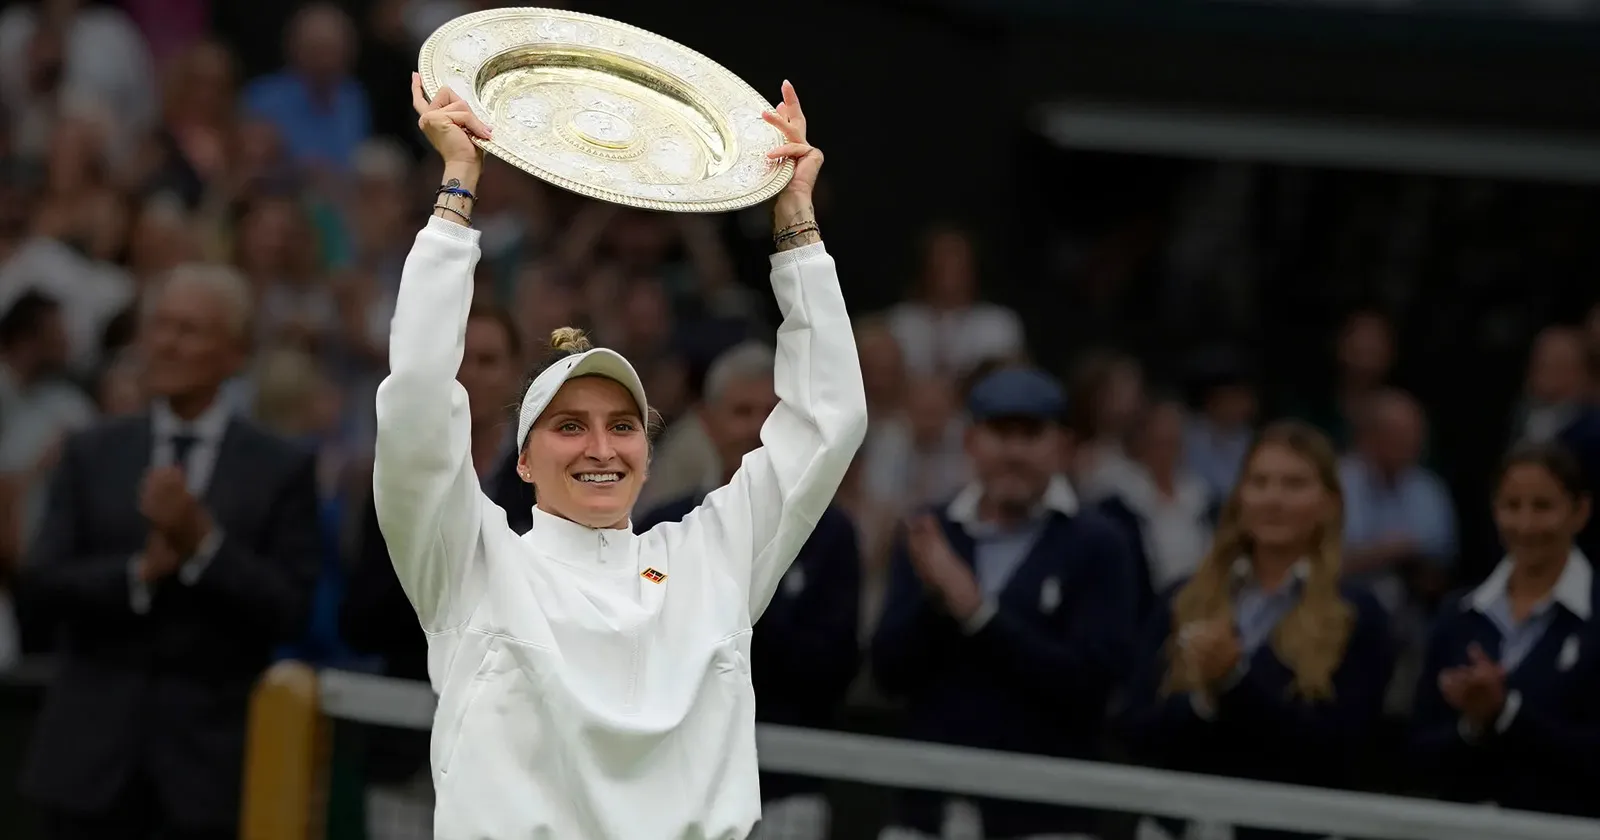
column 579, row 697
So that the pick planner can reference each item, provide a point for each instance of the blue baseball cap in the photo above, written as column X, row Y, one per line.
column 1019, row 393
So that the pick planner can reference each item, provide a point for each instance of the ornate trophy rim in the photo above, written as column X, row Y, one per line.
column 714, row 93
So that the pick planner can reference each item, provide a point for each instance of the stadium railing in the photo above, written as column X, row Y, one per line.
column 293, row 711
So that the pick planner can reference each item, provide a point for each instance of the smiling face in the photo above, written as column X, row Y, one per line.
column 1285, row 499
column 1537, row 515
column 587, row 455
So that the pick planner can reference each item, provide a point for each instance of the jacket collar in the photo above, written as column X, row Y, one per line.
column 605, row 549
column 1573, row 590
column 1058, row 498
column 1242, row 575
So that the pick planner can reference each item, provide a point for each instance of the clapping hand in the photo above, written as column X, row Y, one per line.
column 159, row 559
column 1476, row 689
column 940, row 569
column 1210, row 650
column 173, row 512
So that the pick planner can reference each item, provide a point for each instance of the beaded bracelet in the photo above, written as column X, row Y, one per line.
column 794, row 227
column 464, row 217
column 787, row 235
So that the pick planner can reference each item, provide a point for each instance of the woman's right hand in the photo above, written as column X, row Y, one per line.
column 1213, row 649
column 449, row 124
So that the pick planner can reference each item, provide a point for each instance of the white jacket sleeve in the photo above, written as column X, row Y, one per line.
column 423, row 482
column 757, row 523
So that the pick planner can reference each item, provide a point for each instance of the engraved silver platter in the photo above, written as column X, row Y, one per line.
column 608, row 110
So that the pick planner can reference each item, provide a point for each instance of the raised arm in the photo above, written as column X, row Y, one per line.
column 424, row 485
column 761, row 518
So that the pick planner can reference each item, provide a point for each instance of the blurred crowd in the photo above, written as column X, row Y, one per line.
column 199, row 251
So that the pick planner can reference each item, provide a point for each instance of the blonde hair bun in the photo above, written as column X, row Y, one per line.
column 569, row 340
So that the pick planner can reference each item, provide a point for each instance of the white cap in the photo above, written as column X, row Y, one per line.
column 596, row 362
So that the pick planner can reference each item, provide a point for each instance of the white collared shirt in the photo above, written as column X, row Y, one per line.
column 1573, row 590
column 207, row 430
column 1492, row 599
column 998, row 552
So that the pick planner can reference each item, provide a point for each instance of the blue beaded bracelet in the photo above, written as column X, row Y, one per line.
column 464, row 193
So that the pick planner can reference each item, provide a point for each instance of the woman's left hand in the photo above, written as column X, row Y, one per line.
column 1477, row 689
column 791, row 121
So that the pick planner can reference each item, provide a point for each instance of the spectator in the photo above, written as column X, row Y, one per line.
column 1560, row 405
column 56, row 50
column 121, row 390
column 179, row 548
column 1399, row 524
column 1219, row 434
column 297, row 307
column 1263, row 665
column 804, row 653
column 318, row 108
column 913, row 453
column 296, row 399
column 190, row 151
column 1508, row 707
column 1010, row 613
column 1364, row 362
column 78, row 224
column 170, row 26
column 1165, row 509
column 38, row 406
column 1107, row 394
column 875, row 522
column 946, row 329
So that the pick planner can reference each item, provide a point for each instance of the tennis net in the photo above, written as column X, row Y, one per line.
column 304, row 782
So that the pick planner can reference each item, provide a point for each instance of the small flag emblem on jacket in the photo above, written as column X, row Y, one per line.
column 654, row 576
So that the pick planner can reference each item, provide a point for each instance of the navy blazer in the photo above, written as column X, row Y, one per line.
column 1260, row 730
column 1548, row 757
column 805, row 651
column 1036, row 678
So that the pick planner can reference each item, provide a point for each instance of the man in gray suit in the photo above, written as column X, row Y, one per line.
column 178, row 549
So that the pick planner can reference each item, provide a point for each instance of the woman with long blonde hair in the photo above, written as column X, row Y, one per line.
column 1262, row 664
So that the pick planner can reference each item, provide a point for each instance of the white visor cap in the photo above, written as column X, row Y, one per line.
column 597, row 362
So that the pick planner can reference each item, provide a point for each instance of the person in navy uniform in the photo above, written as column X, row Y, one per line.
column 1263, row 665
column 1508, row 707
column 1009, row 615
column 805, row 651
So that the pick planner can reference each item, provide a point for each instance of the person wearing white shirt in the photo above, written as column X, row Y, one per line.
column 594, row 683
column 947, row 330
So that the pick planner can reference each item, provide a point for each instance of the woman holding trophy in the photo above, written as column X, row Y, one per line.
column 592, row 683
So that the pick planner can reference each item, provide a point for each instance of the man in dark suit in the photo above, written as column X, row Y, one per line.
column 1010, row 615
column 179, row 547
column 805, row 651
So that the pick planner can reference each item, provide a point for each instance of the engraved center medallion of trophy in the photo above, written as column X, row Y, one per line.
column 609, row 129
